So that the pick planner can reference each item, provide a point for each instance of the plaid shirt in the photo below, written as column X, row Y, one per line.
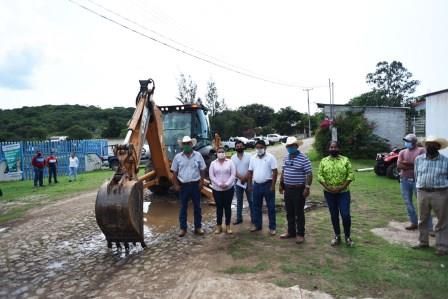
column 431, row 173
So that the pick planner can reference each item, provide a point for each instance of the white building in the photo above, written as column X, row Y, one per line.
column 436, row 111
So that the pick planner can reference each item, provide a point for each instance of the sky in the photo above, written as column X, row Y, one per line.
column 56, row 52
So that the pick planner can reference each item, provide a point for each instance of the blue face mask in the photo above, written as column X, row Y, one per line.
column 407, row 145
column 292, row 150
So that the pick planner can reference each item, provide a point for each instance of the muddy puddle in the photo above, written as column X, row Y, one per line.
column 161, row 213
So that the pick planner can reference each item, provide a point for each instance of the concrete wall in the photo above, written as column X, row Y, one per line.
column 436, row 111
column 390, row 123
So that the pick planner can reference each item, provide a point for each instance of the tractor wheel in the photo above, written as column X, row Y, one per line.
column 392, row 171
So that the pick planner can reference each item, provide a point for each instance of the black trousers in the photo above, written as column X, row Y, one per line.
column 52, row 173
column 295, row 214
column 223, row 201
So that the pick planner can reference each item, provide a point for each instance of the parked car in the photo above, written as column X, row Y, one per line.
column 283, row 138
column 274, row 138
column 248, row 143
column 228, row 144
column 256, row 138
column 386, row 164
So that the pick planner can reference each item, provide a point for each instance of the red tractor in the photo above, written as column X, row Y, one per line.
column 386, row 164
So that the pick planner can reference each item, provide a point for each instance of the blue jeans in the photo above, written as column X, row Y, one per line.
column 239, row 192
column 187, row 191
column 339, row 203
column 38, row 176
column 72, row 173
column 408, row 189
column 260, row 191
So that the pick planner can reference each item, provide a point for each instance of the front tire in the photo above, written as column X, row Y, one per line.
column 392, row 171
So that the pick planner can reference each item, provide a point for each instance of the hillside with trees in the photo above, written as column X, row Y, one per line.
column 75, row 121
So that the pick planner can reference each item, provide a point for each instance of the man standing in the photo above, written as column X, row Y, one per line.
column 262, row 178
column 188, row 169
column 38, row 163
column 241, row 161
column 295, row 182
column 52, row 163
column 405, row 163
column 431, row 171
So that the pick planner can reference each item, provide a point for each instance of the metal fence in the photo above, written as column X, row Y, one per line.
column 62, row 150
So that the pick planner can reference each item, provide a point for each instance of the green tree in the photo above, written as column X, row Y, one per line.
column 374, row 98
column 187, row 89
column 261, row 114
column 78, row 132
column 287, row 121
column 231, row 123
column 113, row 129
column 394, row 81
column 212, row 101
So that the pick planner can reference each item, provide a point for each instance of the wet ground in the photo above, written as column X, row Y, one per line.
column 58, row 251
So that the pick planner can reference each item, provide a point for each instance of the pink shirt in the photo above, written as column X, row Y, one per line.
column 222, row 174
column 409, row 156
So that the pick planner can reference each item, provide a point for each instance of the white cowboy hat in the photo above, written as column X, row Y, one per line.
column 187, row 139
column 293, row 140
column 442, row 141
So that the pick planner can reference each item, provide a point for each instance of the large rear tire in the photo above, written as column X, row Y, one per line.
column 392, row 171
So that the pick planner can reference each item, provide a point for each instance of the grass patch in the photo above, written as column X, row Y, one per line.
column 247, row 269
column 283, row 283
column 373, row 268
column 20, row 196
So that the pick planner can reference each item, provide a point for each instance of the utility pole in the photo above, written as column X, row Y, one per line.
column 309, row 114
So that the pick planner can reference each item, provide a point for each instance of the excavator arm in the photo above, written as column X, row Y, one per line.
column 119, row 203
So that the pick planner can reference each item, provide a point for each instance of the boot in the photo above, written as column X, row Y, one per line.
column 228, row 230
column 218, row 229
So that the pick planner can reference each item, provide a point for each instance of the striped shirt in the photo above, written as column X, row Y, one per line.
column 431, row 173
column 295, row 169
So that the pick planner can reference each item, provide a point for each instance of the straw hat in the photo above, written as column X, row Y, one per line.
column 293, row 140
column 442, row 141
column 187, row 139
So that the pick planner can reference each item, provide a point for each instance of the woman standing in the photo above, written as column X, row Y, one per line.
column 222, row 175
column 335, row 174
column 73, row 166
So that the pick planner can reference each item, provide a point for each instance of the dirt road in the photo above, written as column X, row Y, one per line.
column 59, row 252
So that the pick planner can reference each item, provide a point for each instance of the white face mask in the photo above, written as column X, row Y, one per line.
column 221, row 156
column 260, row 151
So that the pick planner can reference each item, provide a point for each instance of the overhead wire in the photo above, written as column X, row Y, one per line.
column 208, row 60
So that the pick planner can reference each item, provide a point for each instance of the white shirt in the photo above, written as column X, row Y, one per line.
column 74, row 162
column 242, row 166
column 262, row 167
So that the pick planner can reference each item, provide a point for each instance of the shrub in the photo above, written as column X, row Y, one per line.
column 355, row 134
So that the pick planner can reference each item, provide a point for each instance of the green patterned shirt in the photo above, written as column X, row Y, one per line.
column 335, row 171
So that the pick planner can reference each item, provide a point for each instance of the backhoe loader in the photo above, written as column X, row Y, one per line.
column 119, row 202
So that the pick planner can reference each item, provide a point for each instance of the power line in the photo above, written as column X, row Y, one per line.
column 209, row 61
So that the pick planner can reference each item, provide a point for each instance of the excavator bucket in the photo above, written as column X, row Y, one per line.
column 119, row 213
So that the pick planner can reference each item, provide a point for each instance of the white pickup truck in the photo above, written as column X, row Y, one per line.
column 230, row 144
column 274, row 138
